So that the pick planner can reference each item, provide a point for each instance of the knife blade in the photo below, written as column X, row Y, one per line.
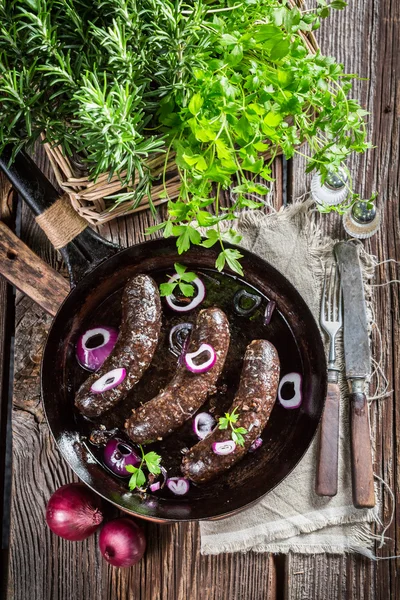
column 358, row 365
column 355, row 327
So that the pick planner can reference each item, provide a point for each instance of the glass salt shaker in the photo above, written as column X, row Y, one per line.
column 333, row 191
column 361, row 221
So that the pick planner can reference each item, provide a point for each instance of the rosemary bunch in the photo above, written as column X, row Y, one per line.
column 222, row 84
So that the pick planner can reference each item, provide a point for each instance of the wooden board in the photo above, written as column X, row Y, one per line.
column 6, row 331
column 365, row 37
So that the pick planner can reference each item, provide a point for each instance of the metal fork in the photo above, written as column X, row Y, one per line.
column 331, row 322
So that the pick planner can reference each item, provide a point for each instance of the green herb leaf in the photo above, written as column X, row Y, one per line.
column 180, row 269
column 186, row 289
column 152, row 460
column 166, row 289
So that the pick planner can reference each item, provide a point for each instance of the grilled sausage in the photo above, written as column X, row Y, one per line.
column 254, row 401
column 187, row 391
column 134, row 350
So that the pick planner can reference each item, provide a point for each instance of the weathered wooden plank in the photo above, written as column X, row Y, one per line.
column 30, row 274
column 366, row 39
column 6, row 332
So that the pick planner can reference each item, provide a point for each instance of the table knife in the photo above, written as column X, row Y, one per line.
column 358, row 367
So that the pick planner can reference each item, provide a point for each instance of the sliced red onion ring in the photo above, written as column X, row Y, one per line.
column 203, row 424
column 243, row 297
column 118, row 454
column 223, row 448
column 178, row 485
column 178, row 337
column 207, row 363
column 94, row 346
column 108, row 381
column 269, row 309
column 256, row 445
column 289, row 391
column 155, row 486
column 199, row 297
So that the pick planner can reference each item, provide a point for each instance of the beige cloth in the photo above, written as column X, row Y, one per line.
column 292, row 516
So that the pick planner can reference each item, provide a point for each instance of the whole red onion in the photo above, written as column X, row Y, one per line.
column 122, row 542
column 74, row 512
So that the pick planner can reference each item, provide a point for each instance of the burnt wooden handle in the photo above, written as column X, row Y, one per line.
column 327, row 468
column 361, row 456
column 29, row 273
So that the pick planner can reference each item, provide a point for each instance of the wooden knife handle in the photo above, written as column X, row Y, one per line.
column 327, row 468
column 361, row 455
column 29, row 273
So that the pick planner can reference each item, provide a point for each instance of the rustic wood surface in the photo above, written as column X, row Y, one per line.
column 365, row 37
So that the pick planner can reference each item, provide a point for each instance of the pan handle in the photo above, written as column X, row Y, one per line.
column 85, row 248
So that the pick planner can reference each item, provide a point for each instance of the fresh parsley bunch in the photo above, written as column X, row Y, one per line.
column 221, row 86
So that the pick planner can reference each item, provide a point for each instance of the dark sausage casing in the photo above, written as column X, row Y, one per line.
column 254, row 401
column 187, row 391
column 134, row 350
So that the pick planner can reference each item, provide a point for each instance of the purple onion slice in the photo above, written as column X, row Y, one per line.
column 155, row 486
column 108, row 381
column 178, row 485
column 94, row 346
column 289, row 390
column 203, row 424
column 198, row 298
column 245, row 303
column 269, row 310
column 118, row 454
column 256, row 445
column 178, row 337
column 205, row 364
column 223, row 448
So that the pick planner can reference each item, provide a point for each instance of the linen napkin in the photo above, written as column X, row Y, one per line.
column 292, row 517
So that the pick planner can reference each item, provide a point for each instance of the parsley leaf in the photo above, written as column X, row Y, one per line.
column 166, row 289
column 229, row 420
column 138, row 478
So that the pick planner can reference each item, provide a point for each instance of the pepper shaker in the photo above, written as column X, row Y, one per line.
column 333, row 191
column 362, row 221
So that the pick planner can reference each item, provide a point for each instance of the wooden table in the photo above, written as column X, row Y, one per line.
column 42, row 567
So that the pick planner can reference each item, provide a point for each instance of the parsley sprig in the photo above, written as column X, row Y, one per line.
column 183, row 281
column 229, row 420
column 152, row 462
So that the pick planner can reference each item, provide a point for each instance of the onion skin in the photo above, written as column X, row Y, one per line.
column 122, row 542
column 74, row 512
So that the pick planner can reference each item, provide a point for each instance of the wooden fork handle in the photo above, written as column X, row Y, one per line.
column 361, row 455
column 327, row 467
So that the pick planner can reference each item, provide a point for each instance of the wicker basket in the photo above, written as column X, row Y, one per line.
column 91, row 198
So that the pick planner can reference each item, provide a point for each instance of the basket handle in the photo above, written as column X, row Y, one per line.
column 80, row 246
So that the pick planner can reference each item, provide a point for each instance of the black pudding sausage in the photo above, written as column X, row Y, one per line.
column 134, row 350
column 254, row 401
column 187, row 391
